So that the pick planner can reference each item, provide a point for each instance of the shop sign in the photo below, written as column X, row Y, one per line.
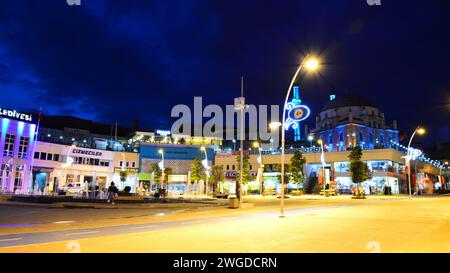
column 163, row 132
column 16, row 115
column 42, row 170
column 177, row 178
column 129, row 170
column 86, row 152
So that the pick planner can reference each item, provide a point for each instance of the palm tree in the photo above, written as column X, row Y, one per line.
column 157, row 172
column 197, row 169
column 218, row 177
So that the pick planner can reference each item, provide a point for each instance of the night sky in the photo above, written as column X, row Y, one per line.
column 119, row 60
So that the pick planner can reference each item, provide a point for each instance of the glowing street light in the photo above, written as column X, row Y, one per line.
column 275, row 125
column 419, row 130
column 310, row 64
column 311, row 139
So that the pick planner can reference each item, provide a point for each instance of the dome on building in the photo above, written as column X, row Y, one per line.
column 346, row 101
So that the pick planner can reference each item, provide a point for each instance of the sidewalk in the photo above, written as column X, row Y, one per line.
column 80, row 205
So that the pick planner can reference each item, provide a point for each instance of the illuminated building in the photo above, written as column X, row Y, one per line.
column 179, row 152
column 17, row 142
column 342, row 124
column 348, row 121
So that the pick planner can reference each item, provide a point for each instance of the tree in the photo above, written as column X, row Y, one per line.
column 296, row 168
column 217, row 177
column 197, row 169
column 246, row 177
column 167, row 171
column 287, row 177
column 358, row 168
column 157, row 172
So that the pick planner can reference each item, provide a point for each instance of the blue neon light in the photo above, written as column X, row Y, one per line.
column 5, row 124
column 32, row 131
column 296, row 113
column 20, row 126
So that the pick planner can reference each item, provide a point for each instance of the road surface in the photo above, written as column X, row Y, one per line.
column 313, row 224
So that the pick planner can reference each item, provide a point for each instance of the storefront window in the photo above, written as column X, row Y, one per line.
column 378, row 166
column 18, row 178
column 342, row 167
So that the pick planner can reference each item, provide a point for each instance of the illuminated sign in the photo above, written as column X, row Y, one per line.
column 413, row 153
column 86, row 152
column 163, row 132
column 296, row 113
column 16, row 115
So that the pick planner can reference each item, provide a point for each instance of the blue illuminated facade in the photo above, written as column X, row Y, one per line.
column 349, row 121
column 17, row 143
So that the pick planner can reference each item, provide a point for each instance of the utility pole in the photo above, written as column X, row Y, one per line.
column 239, row 105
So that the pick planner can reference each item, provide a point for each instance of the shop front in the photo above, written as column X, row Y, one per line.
column 70, row 170
column 376, row 185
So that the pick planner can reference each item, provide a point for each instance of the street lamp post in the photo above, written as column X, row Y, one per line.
column 322, row 159
column 419, row 131
column 161, row 166
column 205, row 164
column 261, row 166
column 310, row 64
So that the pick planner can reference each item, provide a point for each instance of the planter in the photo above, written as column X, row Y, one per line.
column 297, row 192
column 359, row 197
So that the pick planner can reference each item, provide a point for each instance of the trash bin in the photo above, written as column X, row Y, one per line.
column 234, row 202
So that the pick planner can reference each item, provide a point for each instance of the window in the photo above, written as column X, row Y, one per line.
column 120, row 163
column 9, row 145
column 36, row 155
column 251, row 166
column 4, row 175
column 133, row 164
column 127, row 164
column 361, row 138
column 43, row 156
column 105, row 163
column 18, row 178
column 330, row 139
column 69, row 179
column 23, row 147
column 55, row 157
column 49, row 156
column 233, row 167
column 341, row 137
column 228, row 167
column 370, row 137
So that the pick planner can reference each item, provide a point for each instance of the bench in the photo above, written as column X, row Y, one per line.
column 269, row 192
column 329, row 192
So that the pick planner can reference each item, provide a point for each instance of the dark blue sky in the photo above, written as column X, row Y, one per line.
column 119, row 60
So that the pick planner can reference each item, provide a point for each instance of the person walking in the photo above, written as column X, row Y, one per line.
column 112, row 192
